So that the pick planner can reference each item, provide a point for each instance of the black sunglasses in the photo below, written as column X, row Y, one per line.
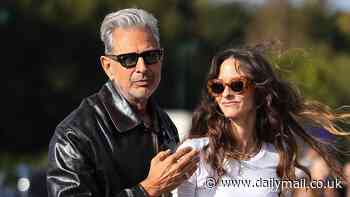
column 129, row 60
column 238, row 85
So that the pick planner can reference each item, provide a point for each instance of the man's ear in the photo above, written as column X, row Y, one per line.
column 107, row 67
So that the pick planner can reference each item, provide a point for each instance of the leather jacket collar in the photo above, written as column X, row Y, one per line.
column 119, row 110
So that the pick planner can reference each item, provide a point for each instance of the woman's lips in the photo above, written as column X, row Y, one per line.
column 229, row 103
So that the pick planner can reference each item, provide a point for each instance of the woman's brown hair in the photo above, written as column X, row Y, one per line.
column 281, row 117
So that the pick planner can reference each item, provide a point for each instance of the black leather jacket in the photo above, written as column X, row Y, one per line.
column 103, row 149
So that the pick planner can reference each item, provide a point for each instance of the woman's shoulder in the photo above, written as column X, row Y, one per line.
column 270, row 148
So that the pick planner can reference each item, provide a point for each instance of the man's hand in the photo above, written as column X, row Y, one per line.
column 168, row 171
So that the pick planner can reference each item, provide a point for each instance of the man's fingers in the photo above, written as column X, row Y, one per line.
column 177, row 180
column 192, row 170
column 179, row 171
column 187, row 159
column 162, row 155
column 178, row 154
column 187, row 170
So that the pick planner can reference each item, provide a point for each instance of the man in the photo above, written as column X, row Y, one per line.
column 118, row 142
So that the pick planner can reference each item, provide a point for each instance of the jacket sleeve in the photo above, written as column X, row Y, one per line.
column 71, row 174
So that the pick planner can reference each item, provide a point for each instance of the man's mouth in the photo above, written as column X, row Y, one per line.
column 143, row 82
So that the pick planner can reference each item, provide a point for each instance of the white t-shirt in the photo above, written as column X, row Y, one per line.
column 255, row 177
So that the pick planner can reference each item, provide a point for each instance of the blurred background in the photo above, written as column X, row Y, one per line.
column 50, row 60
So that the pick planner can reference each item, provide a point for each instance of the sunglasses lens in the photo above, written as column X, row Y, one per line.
column 237, row 86
column 128, row 60
column 152, row 57
column 217, row 88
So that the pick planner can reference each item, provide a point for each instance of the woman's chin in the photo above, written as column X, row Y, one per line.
column 231, row 114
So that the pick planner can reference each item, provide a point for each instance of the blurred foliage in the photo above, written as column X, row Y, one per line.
column 51, row 50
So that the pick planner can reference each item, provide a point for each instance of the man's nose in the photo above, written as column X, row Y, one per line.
column 141, row 66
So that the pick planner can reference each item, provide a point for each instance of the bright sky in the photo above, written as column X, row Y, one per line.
column 341, row 4
column 338, row 4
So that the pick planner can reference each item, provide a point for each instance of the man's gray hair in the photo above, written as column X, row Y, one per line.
column 125, row 18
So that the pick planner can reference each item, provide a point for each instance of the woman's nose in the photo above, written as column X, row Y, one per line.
column 227, row 91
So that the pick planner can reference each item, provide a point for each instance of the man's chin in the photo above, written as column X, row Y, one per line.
column 141, row 94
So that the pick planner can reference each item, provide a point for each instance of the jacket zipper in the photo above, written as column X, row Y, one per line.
column 155, row 143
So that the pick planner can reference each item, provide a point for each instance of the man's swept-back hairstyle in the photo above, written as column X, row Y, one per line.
column 282, row 117
column 131, row 17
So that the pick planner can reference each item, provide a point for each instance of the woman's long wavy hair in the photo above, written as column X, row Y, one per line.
column 281, row 116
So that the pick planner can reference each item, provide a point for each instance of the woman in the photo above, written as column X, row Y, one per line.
column 246, row 128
